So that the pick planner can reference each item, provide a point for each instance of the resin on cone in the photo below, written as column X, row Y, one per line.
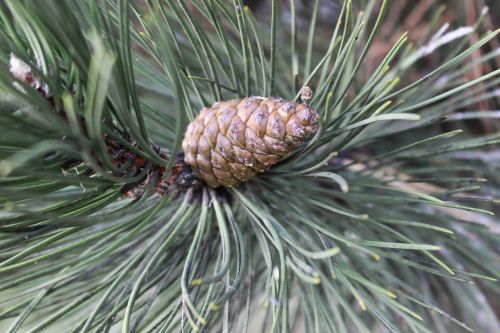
column 233, row 140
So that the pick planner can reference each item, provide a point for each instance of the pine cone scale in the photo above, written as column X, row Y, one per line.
column 258, row 121
column 233, row 140
column 246, row 108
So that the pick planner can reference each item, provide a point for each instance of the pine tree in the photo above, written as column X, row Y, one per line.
column 379, row 220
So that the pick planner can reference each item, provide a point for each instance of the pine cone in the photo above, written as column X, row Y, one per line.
column 233, row 140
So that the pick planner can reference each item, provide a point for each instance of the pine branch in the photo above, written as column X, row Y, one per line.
column 384, row 220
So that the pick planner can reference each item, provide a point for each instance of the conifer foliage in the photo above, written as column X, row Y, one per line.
column 377, row 216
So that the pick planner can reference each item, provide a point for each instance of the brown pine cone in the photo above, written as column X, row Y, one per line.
column 233, row 140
